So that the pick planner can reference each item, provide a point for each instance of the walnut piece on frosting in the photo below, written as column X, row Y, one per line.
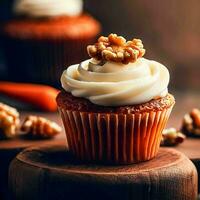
column 116, row 49
column 9, row 121
column 172, row 137
column 191, row 123
column 40, row 127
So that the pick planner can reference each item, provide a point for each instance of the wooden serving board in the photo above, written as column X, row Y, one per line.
column 52, row 173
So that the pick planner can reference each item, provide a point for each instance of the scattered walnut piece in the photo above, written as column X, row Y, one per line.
column 40, row 127
column 116, row 49
column 172, row 137
column 191, row 123
column 9, row 121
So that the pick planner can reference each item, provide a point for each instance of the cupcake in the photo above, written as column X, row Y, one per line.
column 45, row 37
column 115, row 105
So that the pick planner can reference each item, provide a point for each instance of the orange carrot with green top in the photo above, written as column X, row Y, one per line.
column 42, row 96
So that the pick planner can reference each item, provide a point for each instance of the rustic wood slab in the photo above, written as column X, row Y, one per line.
column 52, row 173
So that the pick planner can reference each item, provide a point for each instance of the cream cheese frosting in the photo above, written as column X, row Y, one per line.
column 48, row 8
column 116, row 84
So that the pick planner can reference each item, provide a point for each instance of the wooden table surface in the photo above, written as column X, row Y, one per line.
column 23, row 143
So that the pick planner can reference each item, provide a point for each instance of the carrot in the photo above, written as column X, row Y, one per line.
column 42, row 96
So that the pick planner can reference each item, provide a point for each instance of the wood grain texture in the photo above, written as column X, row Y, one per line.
column 52, row 173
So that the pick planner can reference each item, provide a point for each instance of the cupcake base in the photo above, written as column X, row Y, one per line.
column 114, row 137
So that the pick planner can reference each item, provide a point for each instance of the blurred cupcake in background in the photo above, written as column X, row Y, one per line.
column 45, row 37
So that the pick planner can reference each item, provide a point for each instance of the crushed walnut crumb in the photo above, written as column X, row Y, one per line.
column 116, row 49
column 172, row 137
column 40, row 127
column 9, row 121
column 191, row 123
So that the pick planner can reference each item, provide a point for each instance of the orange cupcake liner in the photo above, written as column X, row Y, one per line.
column 114, row 138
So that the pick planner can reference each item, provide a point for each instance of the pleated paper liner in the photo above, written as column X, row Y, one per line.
column 42, row 61
column 114, row 138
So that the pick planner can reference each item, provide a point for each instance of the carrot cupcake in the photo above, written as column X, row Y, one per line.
column 115, row 105
column 46, row 36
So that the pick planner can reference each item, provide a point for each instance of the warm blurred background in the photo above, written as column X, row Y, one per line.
column 169, row 29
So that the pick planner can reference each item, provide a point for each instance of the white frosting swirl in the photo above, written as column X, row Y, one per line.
column 115, row 84
column 48, row 8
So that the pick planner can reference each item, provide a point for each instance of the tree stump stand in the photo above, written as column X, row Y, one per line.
column 51, row 172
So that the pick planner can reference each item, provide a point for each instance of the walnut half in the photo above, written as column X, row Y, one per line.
column 116, row 49
column 40, row 127
column 172, row 137
column 9, row 121
column 191, row 123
